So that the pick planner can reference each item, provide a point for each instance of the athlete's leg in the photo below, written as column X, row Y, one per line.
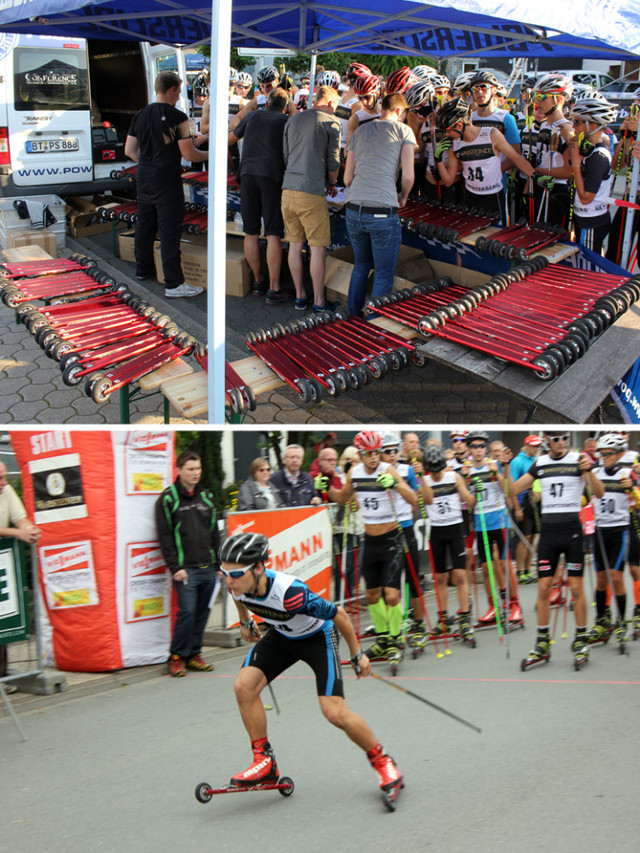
column 338, row 713
column 248, row 686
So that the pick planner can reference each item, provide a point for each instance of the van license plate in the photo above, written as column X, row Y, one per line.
column 46, row 146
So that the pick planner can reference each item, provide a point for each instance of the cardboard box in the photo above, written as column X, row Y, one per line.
column 81, row 215
column 194, row 263
column 44, row 238
column 125, row 246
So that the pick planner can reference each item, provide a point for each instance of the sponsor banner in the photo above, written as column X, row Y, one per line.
column 68, row 575
column 626, row 393
column 14, row 609
column 105, row 591
column 299, row 543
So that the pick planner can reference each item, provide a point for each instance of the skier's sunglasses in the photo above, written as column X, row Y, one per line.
column 458, row 440
column 390, row 450
column 477, row 446
column 236, row 574
column 554, row 439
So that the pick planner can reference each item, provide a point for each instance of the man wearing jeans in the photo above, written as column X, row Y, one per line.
column 377, row 152
column 189, row 540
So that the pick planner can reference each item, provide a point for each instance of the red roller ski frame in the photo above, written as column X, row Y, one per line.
column 284, row 785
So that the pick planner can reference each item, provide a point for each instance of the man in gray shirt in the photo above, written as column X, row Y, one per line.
column 312, row 158
column 376, row 154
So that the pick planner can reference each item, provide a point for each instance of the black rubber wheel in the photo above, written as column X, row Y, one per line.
column 557, row 353
column 317, row 392
column 549, row 367
column 578, row 340
column 403, row 355
column 376, row 369
column 304, row 389
column 286, row 780
column 418, row 359
column 341, row 313
column 202, row 792
column 70, row 374
column 426, row 325
column 249, row 398
column 355, row 383
column 333, row 387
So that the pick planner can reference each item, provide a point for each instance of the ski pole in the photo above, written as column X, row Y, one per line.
column 426, row 701
column 487, row 551
column 273, row 699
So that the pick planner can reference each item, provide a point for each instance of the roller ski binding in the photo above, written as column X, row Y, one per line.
column 444, row 628
column 467, row 634
column 556, row 598
column 516, row 619
column 417, row 639
column 261, row 775
column 389, row 777
column 380, row 649
column 395, row 655
column 540, row 654
column 621, row 636
column 580, row 649
column 488, row 620
column 602, row 629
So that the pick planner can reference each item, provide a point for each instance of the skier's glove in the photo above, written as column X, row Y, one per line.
column 387, row 481
column 321, row 483
column 477, row 485
column 547, row 182
column 442, row 146
column 355, row 662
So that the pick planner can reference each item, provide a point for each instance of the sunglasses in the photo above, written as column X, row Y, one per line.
column 607, row 453
column 391, row 450
column 477, row 446
column 480, row 87
column 458, row 440
column 236, row 573
column 370, row 452
column 554, row 439
column 541, row 96
column 242, row 86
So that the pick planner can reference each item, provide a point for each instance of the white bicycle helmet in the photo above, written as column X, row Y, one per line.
column 267, row 74
column 463, row 81
column 389, row 439
column 424, row 72
column 328, row 78
column 554, row 84
column 594, row 109
column 245, row 78
column 419, row 97
column 611, row 441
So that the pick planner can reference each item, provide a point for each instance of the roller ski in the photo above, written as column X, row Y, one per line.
column 395, row 655
column 445, row 626
column 389, row 777
column 489, row 619
column 580, row 648
column 621, row 636
column 540, row 654
column 261, row 775
column 285, row 786
column 556, row 599
column 417, row 638
column 602, row 630
column 516, row 619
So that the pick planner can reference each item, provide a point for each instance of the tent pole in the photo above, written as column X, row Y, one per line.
column 217, row 222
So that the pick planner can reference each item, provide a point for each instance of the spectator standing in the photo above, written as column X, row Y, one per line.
column 158, row 139
column 294, row 485
column 377, row 152
column 189, row 539
column 14, row 524
column 312, row 158
column 257, row 492
column 260, row 173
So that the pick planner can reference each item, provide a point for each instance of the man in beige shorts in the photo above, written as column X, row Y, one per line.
column 312, row 158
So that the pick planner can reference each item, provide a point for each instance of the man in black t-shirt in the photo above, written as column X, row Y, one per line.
column 261, row 170
column 158, row 139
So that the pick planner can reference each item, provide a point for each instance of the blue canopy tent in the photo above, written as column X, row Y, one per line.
column 602, row 29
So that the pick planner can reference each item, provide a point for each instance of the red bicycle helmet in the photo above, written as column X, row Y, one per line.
column 367, row 440
column 399, row 81
column 355, row 70
column 368, row 84
column 459, row 433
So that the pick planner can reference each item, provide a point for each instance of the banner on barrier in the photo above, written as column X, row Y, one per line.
column 299, row 543
column 14, row 607
column 103, row 584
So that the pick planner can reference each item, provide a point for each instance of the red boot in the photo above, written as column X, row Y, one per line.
column 388, row 774
column 264, row 767
column 515, row 611
column 489, row 617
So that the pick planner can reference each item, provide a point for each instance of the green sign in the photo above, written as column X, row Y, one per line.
column 14, row 608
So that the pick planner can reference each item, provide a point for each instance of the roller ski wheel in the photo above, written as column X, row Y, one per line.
column 395, row 658
column 284, row 785
column 540, row 654
column 580, row 649
column 417, row 640
column 622, row 637
column 467, row 634
column 635, row 627
column 389, row 797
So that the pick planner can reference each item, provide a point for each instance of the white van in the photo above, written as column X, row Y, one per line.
column 66, row 105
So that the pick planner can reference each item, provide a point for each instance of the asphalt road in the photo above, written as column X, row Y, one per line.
column 554, row 767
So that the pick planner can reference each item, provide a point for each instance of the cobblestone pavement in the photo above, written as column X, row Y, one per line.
column 31, row 386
